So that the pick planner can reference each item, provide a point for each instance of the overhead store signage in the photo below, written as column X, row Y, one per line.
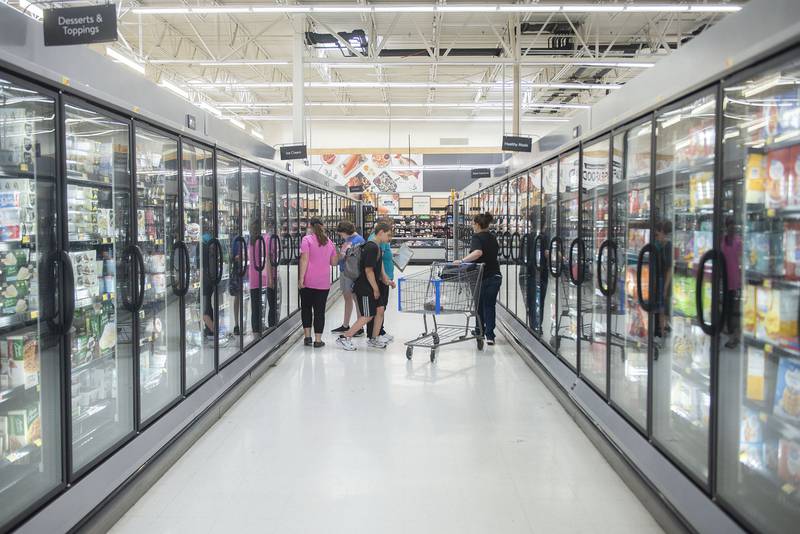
column 80, row 25
column 421, row 205
column 481, row 173
column 513, row 143
column 294, row 152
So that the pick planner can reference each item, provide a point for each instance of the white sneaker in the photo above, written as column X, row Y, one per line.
column 345, row 343
column 386, row 338
column 376, row 343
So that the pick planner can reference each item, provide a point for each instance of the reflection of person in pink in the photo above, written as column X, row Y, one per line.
column 732, row 252
column 258, row 281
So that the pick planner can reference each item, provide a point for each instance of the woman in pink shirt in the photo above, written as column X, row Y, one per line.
column 317, row 256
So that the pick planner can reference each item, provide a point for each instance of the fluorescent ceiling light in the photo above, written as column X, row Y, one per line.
column 31, row 9
column 257, row 135
column 237, row 123
column 459, row 105
column 450, row 8
column 211, row 109
column 270, row 118
column 125, row 60
column 442, row 62
column 399, row 85
column 174, row 88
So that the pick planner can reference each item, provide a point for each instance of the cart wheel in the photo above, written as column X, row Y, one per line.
column 409, row 352
column 433, row 355
column 435, row 338
column 480, row 343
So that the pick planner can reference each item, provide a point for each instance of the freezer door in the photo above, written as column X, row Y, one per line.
column 629, row 322
column 591, row 263
column 30, row 265
column 158, row 236
column 567, row 272
column 285, row 242
column 270, row 275
column 533, row 258
column 256, row 256
column 683, row 204
column 758, row 463
column 517, row 238
column 293, row 207
column 109, row 280
column 229, row 288
column 198, row 229
column 546, row 263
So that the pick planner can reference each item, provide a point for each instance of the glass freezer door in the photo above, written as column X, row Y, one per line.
column 270, row 281
column 533, row 273
column 566, row 270
column 255, row 257
column 108, row 279
column 158, row 226
column 30, row 383
column 229, row 286
column 759, row 430
column 593, row 327
column 293, row 205
column 198, row 229
column 282, row 221
column 545, row 262
column 683, row 203
column 519, row 230
column 630, row 231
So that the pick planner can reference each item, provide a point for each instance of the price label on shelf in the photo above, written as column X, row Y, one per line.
column 105, row 296
column 35, row 314
column 788, row 489
column 771, row 212
column 767, row 282
column 26, row 239
column 768, row 348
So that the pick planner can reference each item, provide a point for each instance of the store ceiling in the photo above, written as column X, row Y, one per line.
column 404, row 59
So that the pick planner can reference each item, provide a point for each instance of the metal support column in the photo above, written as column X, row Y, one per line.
column 298, row 82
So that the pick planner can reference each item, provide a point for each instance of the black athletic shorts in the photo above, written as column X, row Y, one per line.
column 367, row 305
column 384, row 298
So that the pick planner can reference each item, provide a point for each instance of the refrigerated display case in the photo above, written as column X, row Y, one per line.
column 233, row 250
column 758, row 466
column 108, row 279
column 592, row 271
column 563, row 255
column 683, row 206
column 629, row 321
column 198, row 229
column 157, row 235
column 30, row 269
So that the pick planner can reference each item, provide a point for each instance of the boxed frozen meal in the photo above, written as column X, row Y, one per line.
column 23, row 359
column 23, row 427
column 764, row 252
column 756, row 374
column 787, row 389
column 793, row 187
column 749, row 309
column 791, row 250
column 779, row 167
column 701, row 190
column 750, row 429
column 755, row 178
column 789, row 460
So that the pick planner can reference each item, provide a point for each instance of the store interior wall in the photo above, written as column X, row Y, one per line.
column 457, row 179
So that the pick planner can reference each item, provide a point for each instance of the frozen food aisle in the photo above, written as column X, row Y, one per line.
column 331, row 441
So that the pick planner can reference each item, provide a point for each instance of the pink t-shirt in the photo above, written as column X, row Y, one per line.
column 318, row 273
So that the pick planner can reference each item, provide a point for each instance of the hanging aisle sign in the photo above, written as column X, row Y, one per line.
column 80, row 25
column 476, row 174
column 513, row 143
column 294, row 152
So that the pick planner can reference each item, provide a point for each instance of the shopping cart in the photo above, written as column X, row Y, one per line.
column 447, row 289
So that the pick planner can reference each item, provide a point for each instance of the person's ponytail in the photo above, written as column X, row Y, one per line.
column 319, row 231
column 483, row 220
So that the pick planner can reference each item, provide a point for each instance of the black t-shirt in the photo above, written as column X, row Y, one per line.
column 487, row 243
column 370, row 257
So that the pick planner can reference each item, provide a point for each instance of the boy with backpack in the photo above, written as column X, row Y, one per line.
column 367, row 288
column 388, row 269
column 351, row 238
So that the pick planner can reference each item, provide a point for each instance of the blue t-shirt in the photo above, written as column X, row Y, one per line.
column 354, row 240
column 388, row 263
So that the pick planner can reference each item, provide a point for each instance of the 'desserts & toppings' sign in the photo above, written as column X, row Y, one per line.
column 80, row 25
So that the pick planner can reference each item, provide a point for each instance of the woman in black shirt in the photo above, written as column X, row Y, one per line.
column 483, row 249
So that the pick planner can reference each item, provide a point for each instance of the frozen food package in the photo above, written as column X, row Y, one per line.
column 750, row 430
column 789, row 303
column 793, row 186
column 755, row 178
column 787, row 389
column 773, row 315
column 756, row 374
column 749, row 309
column 778, row 169
column 762, row 306
column 789, row 460
column 791, row 250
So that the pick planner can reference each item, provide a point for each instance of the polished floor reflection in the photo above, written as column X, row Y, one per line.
column 366, row 442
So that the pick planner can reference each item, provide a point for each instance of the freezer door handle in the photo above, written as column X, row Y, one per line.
column 261, row 251
column 514, row 249
column 600, row 253
column 647, row 249
column 275, row 244
column 214, row 242
column 243, row 264
column 506, row 244
column 613, row 266
column 68, row 296
column 524, row 253
column 557, row 257
column 539, row 252
column 576, row 270
column 183, row 268
column 713, row 328
column 137, row 253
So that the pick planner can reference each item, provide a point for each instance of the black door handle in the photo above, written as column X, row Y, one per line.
column 613, row 266
column 713, row 328
column 600, row 252
column 130, row 297
column 506, row 245
column 183, row 268
column 68, row 297
column 577, row 242
column 647, row 249
column 275, row 243
column 243, row 254
column 141, row 276
column 214, row 242
column 556, row 258
column 514, row 247
column 261, row 254
column 524, row 253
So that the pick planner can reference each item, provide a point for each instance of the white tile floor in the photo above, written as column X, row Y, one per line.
column 366, row 442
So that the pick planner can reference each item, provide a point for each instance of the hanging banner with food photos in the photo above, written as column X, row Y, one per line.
column 379, row 173
column 389, row 204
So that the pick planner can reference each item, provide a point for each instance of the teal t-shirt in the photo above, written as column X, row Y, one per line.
column 388, row 263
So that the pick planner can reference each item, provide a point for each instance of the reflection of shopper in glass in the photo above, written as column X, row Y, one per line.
column 257, row 281
column 235, row 281
column 317, row 256
column 663, row 261
column 483, row 249
column 208, row 287
column 271, row 271
column 732, row 252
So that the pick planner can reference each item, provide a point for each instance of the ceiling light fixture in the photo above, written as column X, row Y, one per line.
column 125, row 60
column 399, row 85
column 459, row 105
column 166, row 84
column 271, row 118
column 386, row 62
column 451, row 8
column 31, row 9
column 237, row 123
column 211, row 109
